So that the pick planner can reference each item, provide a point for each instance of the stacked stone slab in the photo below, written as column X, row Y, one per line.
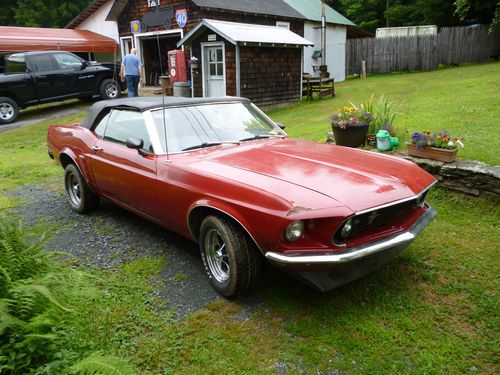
column 467, row 176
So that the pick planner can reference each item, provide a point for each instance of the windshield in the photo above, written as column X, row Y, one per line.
column 211, row 124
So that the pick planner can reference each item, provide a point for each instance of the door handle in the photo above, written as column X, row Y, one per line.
column 97, row 148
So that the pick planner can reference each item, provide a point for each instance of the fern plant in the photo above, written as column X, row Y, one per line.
column 35, row 326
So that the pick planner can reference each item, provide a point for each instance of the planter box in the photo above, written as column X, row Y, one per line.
column 440, row 154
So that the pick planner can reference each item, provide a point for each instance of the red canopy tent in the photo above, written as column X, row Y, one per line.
column 19, row 39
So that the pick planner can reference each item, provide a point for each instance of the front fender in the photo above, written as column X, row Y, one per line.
column 241, row 215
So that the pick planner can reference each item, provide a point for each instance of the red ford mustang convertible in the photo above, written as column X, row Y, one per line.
column 220, row 172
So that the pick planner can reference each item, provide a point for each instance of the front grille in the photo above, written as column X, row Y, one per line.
column 376, row 218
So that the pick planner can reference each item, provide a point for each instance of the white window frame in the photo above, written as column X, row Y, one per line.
column 283, row 24
column 204, row 66
column 123, row 50
column 138, row 41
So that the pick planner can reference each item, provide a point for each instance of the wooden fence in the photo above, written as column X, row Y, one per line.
column 452, row 45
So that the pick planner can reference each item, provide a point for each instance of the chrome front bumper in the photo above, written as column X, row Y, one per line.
column 351, row 263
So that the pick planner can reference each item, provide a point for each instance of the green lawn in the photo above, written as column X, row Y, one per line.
column 464, row 100
column 434, row 310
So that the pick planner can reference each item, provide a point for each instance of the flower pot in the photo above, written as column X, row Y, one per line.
column 371, row 139
column 434, row 153
column 350, row 136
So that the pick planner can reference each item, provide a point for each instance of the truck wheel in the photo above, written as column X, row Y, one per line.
column 230, row 259
column 81, row 198
column 8, row 110
column 110, row 89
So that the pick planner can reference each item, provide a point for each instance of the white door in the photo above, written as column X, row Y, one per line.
column 215, row 82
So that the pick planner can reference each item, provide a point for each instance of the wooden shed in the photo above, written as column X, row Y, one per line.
column 262, row 63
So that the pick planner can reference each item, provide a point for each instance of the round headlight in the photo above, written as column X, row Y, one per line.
column 294, row 230
column 346, row 229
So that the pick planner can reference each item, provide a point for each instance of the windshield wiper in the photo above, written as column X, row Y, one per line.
column 261, row 136
column 210, row 144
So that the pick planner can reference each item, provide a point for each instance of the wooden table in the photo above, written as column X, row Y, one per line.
column 321, row 86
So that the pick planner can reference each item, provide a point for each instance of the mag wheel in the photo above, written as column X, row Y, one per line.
column 81, row 198
column 9, row 110
column 109, row 89
column 230, row 259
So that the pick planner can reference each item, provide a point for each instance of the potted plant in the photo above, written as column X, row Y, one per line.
column 436, row 146
column 350, row 126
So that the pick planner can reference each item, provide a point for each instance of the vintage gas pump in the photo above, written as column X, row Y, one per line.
column 177, row 66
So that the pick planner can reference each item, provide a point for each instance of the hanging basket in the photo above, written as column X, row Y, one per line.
column 350, row 136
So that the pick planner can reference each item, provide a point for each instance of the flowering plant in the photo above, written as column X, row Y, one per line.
column 439, row 140
column 350, row 116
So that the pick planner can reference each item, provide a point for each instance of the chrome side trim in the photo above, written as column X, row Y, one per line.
column 225, row 213
column 359, row 252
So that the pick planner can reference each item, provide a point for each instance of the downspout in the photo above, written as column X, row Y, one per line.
column 323, row 33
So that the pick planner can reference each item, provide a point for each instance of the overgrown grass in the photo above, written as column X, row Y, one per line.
column 23, row 153
column 464, row 100
column 432, row 310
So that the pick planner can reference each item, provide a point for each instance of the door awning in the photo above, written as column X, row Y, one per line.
column 247, row 34
column 21, row 39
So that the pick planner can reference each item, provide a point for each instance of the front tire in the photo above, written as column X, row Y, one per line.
column 9, row 110
column 110, row 89
column 229, row 257
column 81, row 198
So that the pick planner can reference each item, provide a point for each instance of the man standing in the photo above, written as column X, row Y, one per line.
column 131, row 72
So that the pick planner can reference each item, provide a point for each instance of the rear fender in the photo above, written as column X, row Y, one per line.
column 67, row 156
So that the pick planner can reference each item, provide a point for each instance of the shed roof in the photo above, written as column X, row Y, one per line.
column 243, row 33
column 270, row 7
column 311, row 10
column 86, row 13
column 18, row 39
column 300, row 9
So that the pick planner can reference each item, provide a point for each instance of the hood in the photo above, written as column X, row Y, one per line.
column 357, row 179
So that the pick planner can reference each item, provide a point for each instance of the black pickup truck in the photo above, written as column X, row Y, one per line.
column 32, row 78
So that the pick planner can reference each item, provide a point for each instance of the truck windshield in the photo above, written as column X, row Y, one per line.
column 211, row 124
column 15, row 64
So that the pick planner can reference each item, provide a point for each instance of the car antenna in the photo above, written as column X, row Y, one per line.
column 163, row 97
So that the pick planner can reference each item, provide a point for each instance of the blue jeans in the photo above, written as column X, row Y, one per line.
column 132, row 85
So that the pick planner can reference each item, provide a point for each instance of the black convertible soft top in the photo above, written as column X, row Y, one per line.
column 144, row 103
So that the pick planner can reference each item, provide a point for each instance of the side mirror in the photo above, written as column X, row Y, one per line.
column 281, row 126
column 135, row 143
column 84, row 65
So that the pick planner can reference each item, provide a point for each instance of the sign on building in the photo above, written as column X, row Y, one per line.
column 181, row 17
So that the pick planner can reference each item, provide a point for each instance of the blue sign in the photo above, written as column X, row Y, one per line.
column 135, row 26
column 181, row 17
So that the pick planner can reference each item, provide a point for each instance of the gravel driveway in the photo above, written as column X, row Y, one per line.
column 111, row 235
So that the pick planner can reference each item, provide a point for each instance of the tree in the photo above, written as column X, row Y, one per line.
column 371, row 14
column 40, row 13
column 479, row 11
column 7, row 13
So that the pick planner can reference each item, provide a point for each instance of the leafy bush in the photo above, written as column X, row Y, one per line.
column 36, row 334
column 384, row 113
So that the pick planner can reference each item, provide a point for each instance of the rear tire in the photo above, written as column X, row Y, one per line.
column 230, row 259
column 110, row 89
column 81, row 198
column 9, row 110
